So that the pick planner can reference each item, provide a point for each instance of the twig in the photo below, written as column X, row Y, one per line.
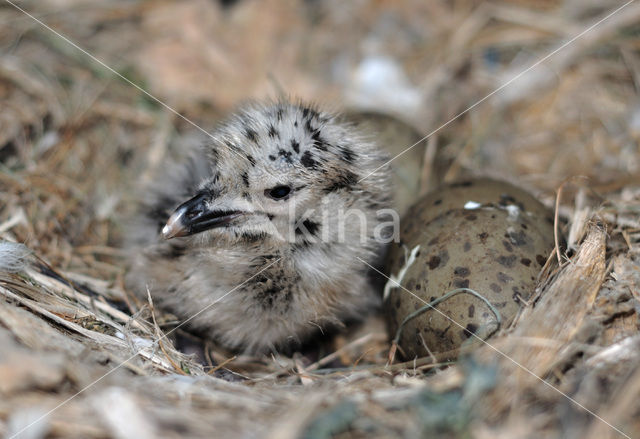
column 335, row 354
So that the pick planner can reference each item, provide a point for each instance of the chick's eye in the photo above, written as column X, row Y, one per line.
column 278, row 192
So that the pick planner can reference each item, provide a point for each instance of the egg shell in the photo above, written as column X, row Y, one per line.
column 482, row 190
column 496, row 249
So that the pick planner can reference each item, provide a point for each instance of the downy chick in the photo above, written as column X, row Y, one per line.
column 256, row 238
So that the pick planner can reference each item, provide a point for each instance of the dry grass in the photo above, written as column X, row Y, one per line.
column 75, row 141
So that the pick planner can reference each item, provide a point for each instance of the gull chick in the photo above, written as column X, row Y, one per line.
column 255, row 239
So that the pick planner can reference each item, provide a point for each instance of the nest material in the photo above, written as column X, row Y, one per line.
column 81, row 357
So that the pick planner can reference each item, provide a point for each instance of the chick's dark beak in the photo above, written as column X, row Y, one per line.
column 194, row 216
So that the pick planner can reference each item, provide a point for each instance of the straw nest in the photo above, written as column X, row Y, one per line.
column 81, row 357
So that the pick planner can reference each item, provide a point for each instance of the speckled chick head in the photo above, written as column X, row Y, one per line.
column 281, row 184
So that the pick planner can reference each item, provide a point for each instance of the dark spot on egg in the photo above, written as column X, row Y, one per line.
column 496, row 288
column 507, row 261
column 433, row 262
column 470, row 330
column 471, row 311
column 461, row 283
column 444, row 256
column 525, row 261
column 504, row 278
column 541, row 260
column 461, row 271
column 518, row 238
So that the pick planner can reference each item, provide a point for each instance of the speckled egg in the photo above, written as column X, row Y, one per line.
column 484, row 235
